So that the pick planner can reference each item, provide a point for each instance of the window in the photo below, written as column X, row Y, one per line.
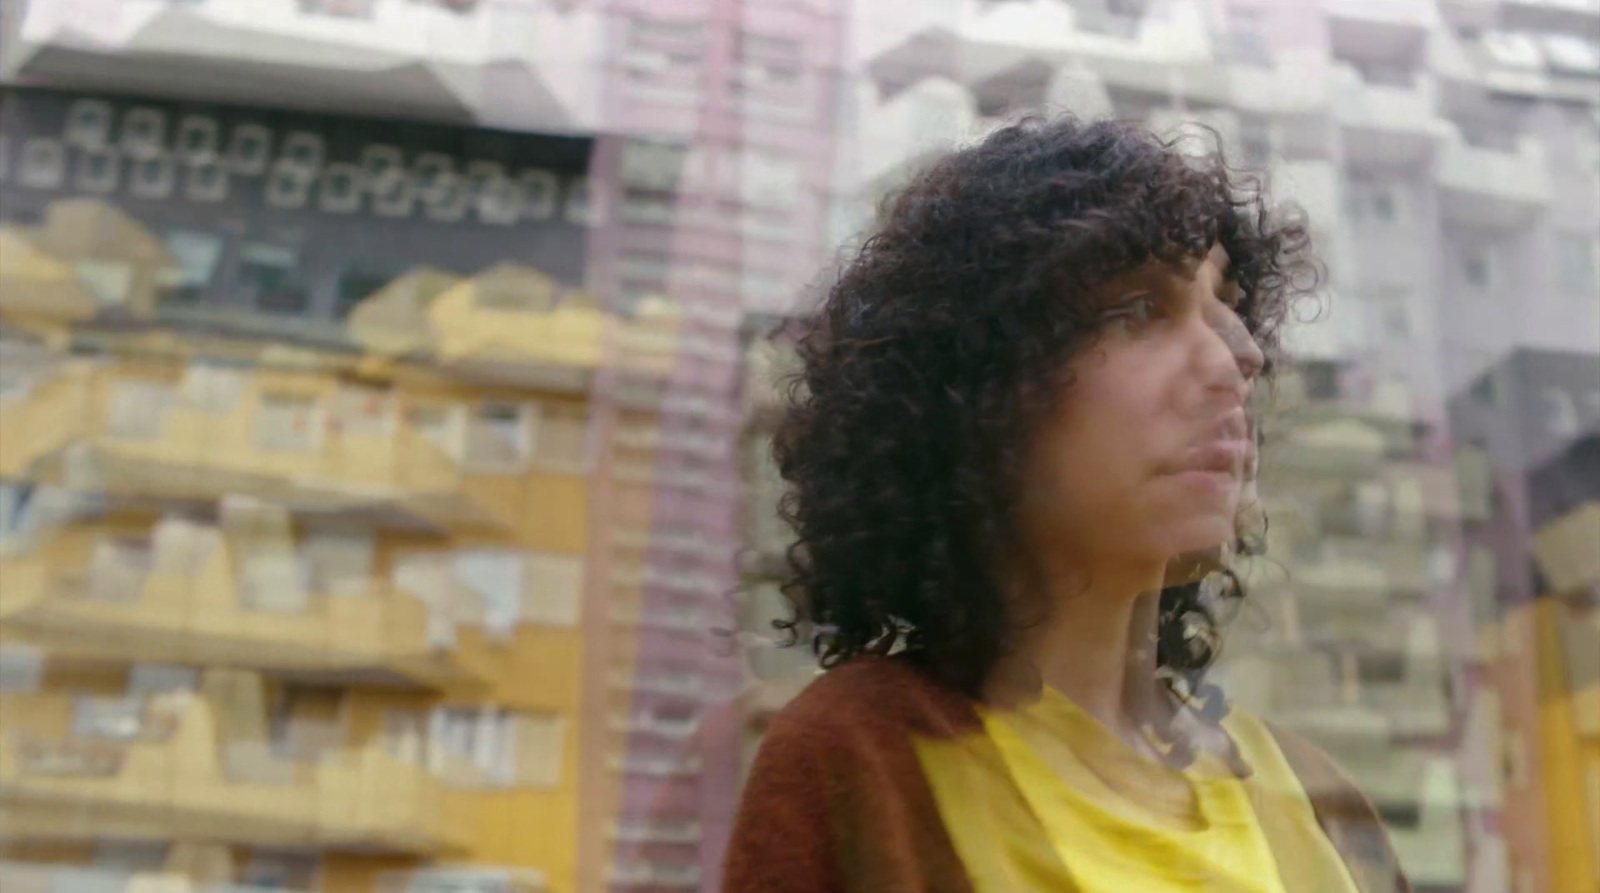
column 382, row 164
column 88, row 124
column 648, row 208
column 99, row 170
column 495, row 578
column 16, row 515
column 362, row 411
column 499, row 438
column 118, row 568
column 433, row 171
column 541, row 191
column 249, row 150
column 340, row 189
column 44, row 164
column 152, row 679
column 496, row 748
column 652, row 166
column 768, row 179
column 687, row 32
column 138, row 409
column 1476, row 268
column 304, row 151
column 269, row 870
column 108, row 280
column 1382, row 203
column 338, row 562
column 288, row 187
column 306, row 721
column 287, row 422
column 439, row 424
column 129, row 856
column 394, row 196
column 447, row 199
column 1397, row 322
column 21, row 668
column 1255, row 141
column 1578, row 263
column 261, row 544
column 205, row 181
column 153, row 178
column 579, row 207
column 144, row 133
column 211, row 388
column 352, row 9
column 269, row 273
column 113, row 719
column 1571, row 53
column 563, row 437
column 198, row 139
column 499, row 200
column 197, row 254
column 355, row 286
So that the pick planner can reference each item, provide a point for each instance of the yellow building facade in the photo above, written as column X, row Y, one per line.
column 1567, row 549
column 306, row 615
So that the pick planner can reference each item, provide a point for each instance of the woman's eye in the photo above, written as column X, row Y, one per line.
column 1138, row 312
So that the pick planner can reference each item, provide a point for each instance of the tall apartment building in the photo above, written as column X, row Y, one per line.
column 1446, row 154
column 684, row 159
column 296, row 513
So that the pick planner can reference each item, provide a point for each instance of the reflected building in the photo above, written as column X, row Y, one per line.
column 384, row 401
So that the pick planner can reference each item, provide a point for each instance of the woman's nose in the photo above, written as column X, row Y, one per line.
column 1232, row 356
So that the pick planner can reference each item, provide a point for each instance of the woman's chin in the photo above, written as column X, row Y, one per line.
column 1191, row 566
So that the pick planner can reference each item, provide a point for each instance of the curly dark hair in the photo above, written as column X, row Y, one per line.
column 940, row 345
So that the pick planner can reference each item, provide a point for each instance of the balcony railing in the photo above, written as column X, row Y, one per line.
column 36, row 877
column 250, row 434
column 1383, row 124
column 1565, row 549
column 184, row 785
column 1411, row 14
column 188, row 608
column 1490, row 187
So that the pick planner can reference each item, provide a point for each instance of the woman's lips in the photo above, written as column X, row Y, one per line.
column 1231, row 456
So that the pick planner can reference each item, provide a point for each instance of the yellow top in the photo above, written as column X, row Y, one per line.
column 1114, row 821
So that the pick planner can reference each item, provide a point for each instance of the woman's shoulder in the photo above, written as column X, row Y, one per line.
column 870, row 699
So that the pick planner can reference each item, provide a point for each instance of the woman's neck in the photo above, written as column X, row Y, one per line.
column 1096, row 646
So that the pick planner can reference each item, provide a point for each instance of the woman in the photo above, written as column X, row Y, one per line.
column 1019, row 457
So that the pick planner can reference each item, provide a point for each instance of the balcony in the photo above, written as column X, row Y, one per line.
column 534, row 66
column 456, row 878
column 1419, row 795
column 1324, row 453
column 25, row 877
column 165, row 775
column 1565, row 549
column 1385, row 125
column 1380, row 30
column 1190, row 129
column 1319, row 392
column 61, row 272
column 297, row 439
column 1491, row 188
column 929, row 117
column 179, row 596
column 1298, row 85
column 517, row 326
column 1346, row 570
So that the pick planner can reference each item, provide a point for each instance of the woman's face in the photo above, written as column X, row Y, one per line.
column 1149, row 454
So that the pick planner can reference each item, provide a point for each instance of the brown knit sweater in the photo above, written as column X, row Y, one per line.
column 837, row 801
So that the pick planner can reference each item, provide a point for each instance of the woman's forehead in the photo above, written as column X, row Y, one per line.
column 1213, row 265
